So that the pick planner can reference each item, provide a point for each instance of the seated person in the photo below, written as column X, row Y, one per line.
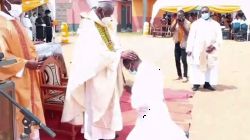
column 235, row 26
column 163, row 26
column 154, row 121
column 244, row 27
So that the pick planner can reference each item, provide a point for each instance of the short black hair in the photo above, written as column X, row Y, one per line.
column 47, row 11
column 240, row 14
column 181, row 11
column 205, row 7
column 126, row 62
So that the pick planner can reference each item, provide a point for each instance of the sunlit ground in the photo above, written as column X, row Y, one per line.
column 220, row 115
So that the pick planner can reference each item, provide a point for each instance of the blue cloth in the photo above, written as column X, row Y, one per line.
column 244, row 27
column 236, row 27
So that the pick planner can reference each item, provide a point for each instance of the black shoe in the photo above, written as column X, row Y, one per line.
column 187, row 134
column 195, row 87
column 208, row 86
column 116, row 135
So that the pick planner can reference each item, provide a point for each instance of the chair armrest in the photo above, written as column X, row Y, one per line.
column 54, row 87
column 64, row 79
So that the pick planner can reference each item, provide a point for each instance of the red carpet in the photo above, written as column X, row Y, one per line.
column 177, row 101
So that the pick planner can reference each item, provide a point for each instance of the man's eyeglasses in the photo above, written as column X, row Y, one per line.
column 203, row 12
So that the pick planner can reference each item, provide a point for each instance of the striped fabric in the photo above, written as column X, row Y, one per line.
column 105, row 36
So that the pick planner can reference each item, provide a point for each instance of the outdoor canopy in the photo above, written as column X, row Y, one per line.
column 28, row 5
column 32, row 4
column 219, row 6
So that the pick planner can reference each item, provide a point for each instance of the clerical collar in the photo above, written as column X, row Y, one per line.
column 8, row 17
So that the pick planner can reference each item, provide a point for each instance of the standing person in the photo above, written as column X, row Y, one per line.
column 40, row 25
column 48, row 29
column 33, row 21
column 180, row 27
column 204, row 40
column 25, row 20
column 95, row 81
column 154, row 121
column 14, row 42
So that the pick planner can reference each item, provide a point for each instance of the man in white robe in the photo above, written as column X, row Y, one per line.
column 204, row 40
column 33, row 21
column 154, row 121
column 25, row 20
column 95, row 81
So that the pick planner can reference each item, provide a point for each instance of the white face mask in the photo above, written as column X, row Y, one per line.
column 133, row 72
column 205, row 16
column 16, row 10
column 107, row 21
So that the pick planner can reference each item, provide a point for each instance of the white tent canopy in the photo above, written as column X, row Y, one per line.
column 161, row 4
column 52, row 7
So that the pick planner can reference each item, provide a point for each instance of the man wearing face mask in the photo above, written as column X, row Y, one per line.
column 180, row 27
column 204, row 40
column 147, row 98
column 95, row 81
column 15, row 43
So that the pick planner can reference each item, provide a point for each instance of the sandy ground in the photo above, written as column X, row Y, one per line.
column 220, row 115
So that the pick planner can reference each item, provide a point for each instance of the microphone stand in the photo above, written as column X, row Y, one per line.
column 28, row 120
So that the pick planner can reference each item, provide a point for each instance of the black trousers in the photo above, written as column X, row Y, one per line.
column 180, row 55
column 48, row 31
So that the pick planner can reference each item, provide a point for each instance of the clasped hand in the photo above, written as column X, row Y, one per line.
column 210, row 49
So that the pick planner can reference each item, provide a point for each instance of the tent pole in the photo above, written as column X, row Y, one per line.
column 145, row 10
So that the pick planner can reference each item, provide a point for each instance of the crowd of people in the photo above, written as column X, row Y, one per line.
column 231, row 24
column 39, row 26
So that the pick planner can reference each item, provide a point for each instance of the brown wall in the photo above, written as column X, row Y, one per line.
column 137, row 14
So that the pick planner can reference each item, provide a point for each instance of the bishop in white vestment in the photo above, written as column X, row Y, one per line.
column 95, row 81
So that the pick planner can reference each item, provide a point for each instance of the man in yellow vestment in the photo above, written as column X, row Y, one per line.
column 95, row 80
column 15, row 43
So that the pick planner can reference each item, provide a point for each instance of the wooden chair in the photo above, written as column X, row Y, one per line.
column 53, row 87
column 161, row 29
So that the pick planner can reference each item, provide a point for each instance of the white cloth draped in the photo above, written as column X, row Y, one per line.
column 203, row 34
column 33, row 21
column 154, row 121
column 27, row 24
column 95, row 81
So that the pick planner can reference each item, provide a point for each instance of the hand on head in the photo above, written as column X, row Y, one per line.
column 132, row 63
column 129, row 55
